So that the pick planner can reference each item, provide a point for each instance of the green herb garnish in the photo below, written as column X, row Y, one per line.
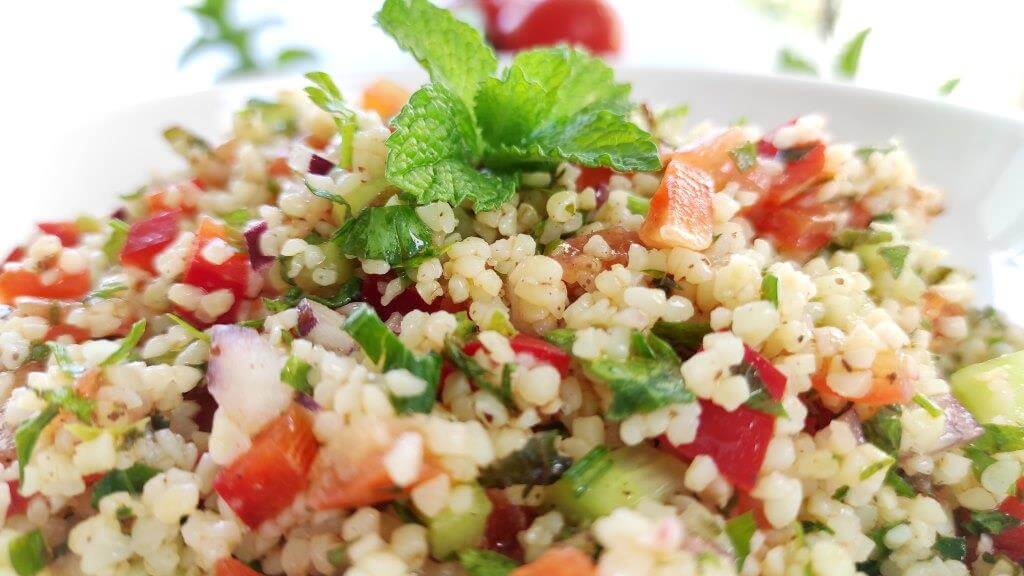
column 295, row 373
column 740, row 530
column 537, row 463
column 127, row 344
column 28, row 553
column 130, row 480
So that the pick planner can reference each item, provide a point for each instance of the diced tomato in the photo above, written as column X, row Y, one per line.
column 818, row 415
column 385, row 97
column 174, row 197
column 562, row 561
column 317, row 142
column 747, row 503
column 889, row 383
column 373, row 291
column 680, row 214
column 774, row 381
column 278, row 167
column 1011, row 541
column 147, row 238
column 350, row 472
column 16, row 281
column 579, row 269
column 800, row 227
column 736, row 441
column 519, row 24
column 504, row 524
column 798, row 174
column 77, row 334
column 714, row 154
column 230, row 567
column 593, row 177
column 232, row 274
column 18, row 503
column 265, row 479
column 859, row 216
column 67, row 231
column 15, row 255
column 541, row 351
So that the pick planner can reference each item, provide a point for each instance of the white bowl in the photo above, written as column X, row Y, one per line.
column 976, row 158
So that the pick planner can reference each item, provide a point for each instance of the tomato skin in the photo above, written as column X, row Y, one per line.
column 18, row 281
column 774, row 381
column 519, row 24
column 230, row 567
column 67, row 231
column 579, row 269
column 885, row 388
column 77, row 334
column 385, row 97
column 147, row 238
column 232, row 274
column 159, row 200
column 279, row 168
column 541, row 351
column 737, row 441
column 1011, row 542
column 801, row 227
column 680, row 215
column 798, row 174
column 562, row 561
column 265, row 479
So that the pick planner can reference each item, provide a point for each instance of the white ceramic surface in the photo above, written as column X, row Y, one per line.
column 976, row 158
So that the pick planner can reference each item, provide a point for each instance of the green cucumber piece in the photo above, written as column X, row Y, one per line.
column 992, row 390
column 450, row 531
column 604, row 480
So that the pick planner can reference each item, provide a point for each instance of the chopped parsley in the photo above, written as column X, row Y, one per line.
column 740, row 530
column 486, row 563
column 990, row 522
column 295, row 373
column 28, row 553
column 130, row 480
column 745, row 156
column 325, row 94
column 393, row 234
column 191, row 330
column 127, row 344
column 951, row 548
column 885, row 429
column 770, row 289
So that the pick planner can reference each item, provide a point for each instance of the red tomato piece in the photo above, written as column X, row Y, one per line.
column 77, row 334
column 65, row 230
column 579, row 269
column 562, row 561
column 147, row 238
column 736, row 441
column 18, row 281
column 232, row 274
column 593, row 177
column 504, row 523
column 541, row 351
column 18, row 503
column 714, row 154
column 798, row 174
column 680, row 214
column 800, row 227
column 231, row 567
column 519, row 24
column 747, row 503
column 1011, row 542
column 15, row 255
column 889, row 383
column 774, row 381
column 278, row 167
column 265, row 479
column 385, row 97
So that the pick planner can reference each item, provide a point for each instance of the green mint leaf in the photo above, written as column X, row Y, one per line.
column 295, row 373
column 451, row 51
column 895, row 257
column 885, row 429
column 951, row 548
column 290, row 56
column 27, row 434
column 28, row 553
column 191, row 330
column 71, row 401
column 790, row 61
column 740, row 530
column 127, row 344
column 948, row 86
column 393, row 234
column 848, row 60
column 990, row 522
column 745, row 156
column 433, row 152
column 130, row 480
column 384, row 348
column 770, row 289
column 649, row 379
column 486, row 563
column 326, row 95
column 537, row 463
column 556, row 105
column 115, row 242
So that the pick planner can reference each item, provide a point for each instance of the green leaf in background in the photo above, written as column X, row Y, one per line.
column 28, row 553
column 790, row 61
column 452, row 52
column 948, row 86
column 848, row 60
column 393, row 234
column 326, row 94
column 290, row 56
column 433, row 151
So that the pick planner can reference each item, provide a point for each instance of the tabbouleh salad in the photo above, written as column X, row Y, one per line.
column 510, row 324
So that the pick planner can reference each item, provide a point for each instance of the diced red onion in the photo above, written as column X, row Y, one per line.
column 307, row 402
column 601, row 194
column 119, row 214
column 252, row 235
column 853, row 421
column 960, row 428
column 244, row 376
column 321, row 325
column 320, row 165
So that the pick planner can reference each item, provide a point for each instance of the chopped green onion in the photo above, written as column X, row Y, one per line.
column 127, row 344
column 875, row 467
column 295, row 373
column 190, row 329
column 929, row 406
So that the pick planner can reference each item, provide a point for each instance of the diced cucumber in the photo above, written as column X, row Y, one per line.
column 332, row 259
column 605, row 480
column 992, row 390
column 908, row 287
column 451, row 531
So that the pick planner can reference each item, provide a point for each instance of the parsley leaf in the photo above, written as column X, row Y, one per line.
column 649, row 379
column 433, row 152
column 486, row 563
column 28, row 553
column 70, row 400
column 27, row 435
column 381, row 346
column 685, row 337
column 990, row 522
column 118, row 236
column 325, row 94
column 744, row 156
column 130, row 480
column 770, row 289
column 895, row 479
column 561, row 337
column 740, row 530
column 127, row 344
column 996, row 438
column 895, row 257
column 295, row 373
column 638, row 204
column 106, row 291
column 537, row 463
column 393, row 234
column 64, row 362
column 885, row 429
column 453, row 52
column 951, row 548
column 849, row 57
column 477, row 374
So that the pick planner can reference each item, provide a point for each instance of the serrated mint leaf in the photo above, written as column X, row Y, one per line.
column 556, row 105
column 433, row 152
column 393, row 234
column 452, row 52
column 326, row 95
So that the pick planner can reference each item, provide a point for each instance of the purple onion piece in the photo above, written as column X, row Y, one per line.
column 307, row 318
column 119, row 214
column 961, row 427
column 601, row 194
column 853, row 421
column 257, row 259
column 321, row 325
column 307, row 402
column 319, row 165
